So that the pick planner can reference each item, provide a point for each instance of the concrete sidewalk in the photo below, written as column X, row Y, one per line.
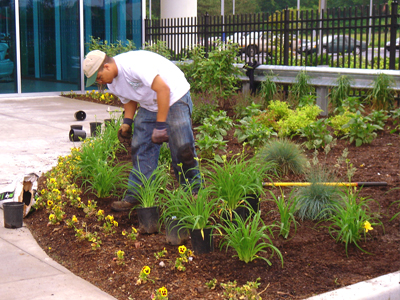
column 34, row 132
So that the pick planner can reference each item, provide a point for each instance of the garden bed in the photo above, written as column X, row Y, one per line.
column 313, row 262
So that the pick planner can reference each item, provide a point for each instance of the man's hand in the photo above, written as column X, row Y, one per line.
column 159, row 136
column 125, row 132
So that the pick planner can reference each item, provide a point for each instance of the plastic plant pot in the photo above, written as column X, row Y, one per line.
column 13, row 214
column 80, row 115
column 202, row 245
column 174, row 233
column 76, row 135
column 95, row 128
column 80, row 127
column 148, row 219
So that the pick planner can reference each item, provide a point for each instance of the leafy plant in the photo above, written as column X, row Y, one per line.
column 340, row 91
column 251, row 110
column 317, row 134
column 252, row 132
column 159, row 47
column 337, row 122
column 203, row 107
column 235, row 179
column 111, row 49
column 382, row 93
column 301, row 86
column 378, row 117
column 216, row 125
column 207, row 145
column 149, row 189
column 247, row 291
column 297, row 119
column 268, row 89
column 287, row 209
column 193, row 211
column 280, row 108
column 217, row 73
column 285, row 155
column 317, row 200
column 248, row 238
column 361, row 130
column 352, row 220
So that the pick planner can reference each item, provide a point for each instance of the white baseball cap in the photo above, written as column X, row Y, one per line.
column 91, row 65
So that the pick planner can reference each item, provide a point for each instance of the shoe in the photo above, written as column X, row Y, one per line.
column 123, row 205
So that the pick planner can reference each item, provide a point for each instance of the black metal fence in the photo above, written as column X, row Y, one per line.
column 354, row 37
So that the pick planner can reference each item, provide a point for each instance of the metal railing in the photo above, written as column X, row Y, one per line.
column 354, row 37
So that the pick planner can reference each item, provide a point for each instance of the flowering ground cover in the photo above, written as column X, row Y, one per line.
column 131, row 265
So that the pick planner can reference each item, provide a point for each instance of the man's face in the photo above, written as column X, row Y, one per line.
column 105, row 76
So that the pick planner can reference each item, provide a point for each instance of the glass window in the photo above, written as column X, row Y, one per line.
column 50, row 57
column 8, row 78
column 112, row 21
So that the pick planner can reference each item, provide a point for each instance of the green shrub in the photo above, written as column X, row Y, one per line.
column 337, row 122
column 111, row 49
column 252, row 132
column 159, row 47
column 300, row 118
column 280, row 108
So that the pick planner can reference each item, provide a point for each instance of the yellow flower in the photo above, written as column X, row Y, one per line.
column 51, row 217
column 74, row 219
column 52, row 180
column 190, row 253
column 182, row 249
column 163, row 291
column 100, row 212
column 134, row 230
column 110, row 218
column 146, row 270
column 367, row 226
column 123, row 232
column 43, row 191
column 49, row 203
column 115, row 223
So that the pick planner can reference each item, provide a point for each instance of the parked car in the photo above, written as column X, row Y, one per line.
column 397, row 45
column 257, row 42
column 343, row 44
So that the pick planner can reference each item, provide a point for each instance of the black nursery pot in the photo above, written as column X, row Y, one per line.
column 148, row 219
column 254, row 202
column 174, row 233
column 79, row 127
column 200, row 245
column 13, row 214
column 80, row 115
column 76, row 135
column 95, row 128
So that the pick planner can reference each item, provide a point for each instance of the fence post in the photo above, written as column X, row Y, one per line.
column 206, row 24
column 286, row 38
column 393, row 30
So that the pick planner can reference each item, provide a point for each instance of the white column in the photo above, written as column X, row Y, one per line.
column 177, row 9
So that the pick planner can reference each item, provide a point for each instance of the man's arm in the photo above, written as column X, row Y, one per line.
column 130, row 109
column 163, row 92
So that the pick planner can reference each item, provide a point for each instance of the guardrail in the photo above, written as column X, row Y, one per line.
column 322, row 78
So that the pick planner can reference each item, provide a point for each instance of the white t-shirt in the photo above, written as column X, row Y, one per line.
column 136, row 72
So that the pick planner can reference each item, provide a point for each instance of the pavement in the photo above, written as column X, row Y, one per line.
column 33, row 133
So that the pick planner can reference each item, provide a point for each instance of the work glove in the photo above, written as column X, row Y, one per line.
column 125, row 132
column 160, row 134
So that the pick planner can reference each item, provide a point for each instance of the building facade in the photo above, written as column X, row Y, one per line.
column 43, row 42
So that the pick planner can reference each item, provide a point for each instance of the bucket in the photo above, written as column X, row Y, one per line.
column 13, row 214
column 76, row 135
column 200, row 244
column 95, row 128
column 80, row 115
